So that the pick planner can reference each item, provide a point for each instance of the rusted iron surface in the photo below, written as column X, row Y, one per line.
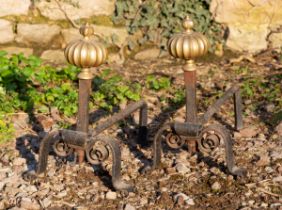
column 218, row 104
column 190, row 87
column 238, row 110
column 211, row 137
column 83, row 111
column 97, row 147
column 113, row 147
column 123, row 114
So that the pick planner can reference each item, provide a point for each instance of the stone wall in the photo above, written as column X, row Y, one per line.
column 252, row 25
column 43, row 29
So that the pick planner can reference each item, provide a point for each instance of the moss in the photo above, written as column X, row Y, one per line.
column 101, row 20
column 38, row 20
column 113, row 49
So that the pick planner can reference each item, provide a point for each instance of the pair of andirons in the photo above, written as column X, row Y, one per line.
column 194, row 132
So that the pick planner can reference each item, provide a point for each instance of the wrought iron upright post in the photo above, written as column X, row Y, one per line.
column 190, row 45
column 85, row 54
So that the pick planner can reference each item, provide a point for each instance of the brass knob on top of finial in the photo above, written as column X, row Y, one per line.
column 86, row 53
column 188, row 24
column 188, row 45
column 86, row 30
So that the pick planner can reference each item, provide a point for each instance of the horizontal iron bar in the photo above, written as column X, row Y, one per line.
column 119, row 116
column 74, row 138
column 216, row 106
column 187, row 129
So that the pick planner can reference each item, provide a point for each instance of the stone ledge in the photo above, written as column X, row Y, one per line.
column 16, row 50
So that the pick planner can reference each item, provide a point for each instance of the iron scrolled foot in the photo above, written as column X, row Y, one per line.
column 211, row 137
column 60, row 141
column 173, row 140
column 97, row 151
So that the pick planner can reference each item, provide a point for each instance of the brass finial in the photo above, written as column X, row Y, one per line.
column 86, row 53
column 188, row 45
column 188, row 24
column 86, row 30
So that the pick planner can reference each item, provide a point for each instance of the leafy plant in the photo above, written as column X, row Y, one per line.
column 266, row 90
column 6, row 130
column 26, row 84
column 155, row 83
column 112, row 90
column 157, row 20
column 178, row 98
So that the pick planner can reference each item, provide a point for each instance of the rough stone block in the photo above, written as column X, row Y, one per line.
column 276, row 41
column 55, row 56
column 17, row 50
column 85, row 9
column 40, row 34
column 6, row 31
column 249, row 22
column 14, row 7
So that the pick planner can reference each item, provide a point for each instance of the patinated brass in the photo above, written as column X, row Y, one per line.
column 86, row 53
column 188, row 45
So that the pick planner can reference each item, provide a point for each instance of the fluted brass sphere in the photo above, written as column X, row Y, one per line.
column 188, row 45
column 86, row 53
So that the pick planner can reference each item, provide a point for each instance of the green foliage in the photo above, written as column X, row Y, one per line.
column 157, row 83
column 112, row 90
column 26, row 84
column 178, row 97
column 265, row 90
column 159, row 19
column 6, row 130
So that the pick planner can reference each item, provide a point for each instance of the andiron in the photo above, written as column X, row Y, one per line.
column 195, row 132
column 87, row 54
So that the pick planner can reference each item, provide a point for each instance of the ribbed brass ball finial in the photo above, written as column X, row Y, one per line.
column 188, row 45
column 86, row 53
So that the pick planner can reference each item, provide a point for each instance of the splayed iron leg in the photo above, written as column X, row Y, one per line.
column 117, row 182
column 44, row 150
column 69, row 137
column 238, row 110
column 143, row 130
column 157, row 146
column 211, row 137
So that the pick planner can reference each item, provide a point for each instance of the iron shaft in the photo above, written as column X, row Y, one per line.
column 83, row 111
column 190, row 87
column 191, row 107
